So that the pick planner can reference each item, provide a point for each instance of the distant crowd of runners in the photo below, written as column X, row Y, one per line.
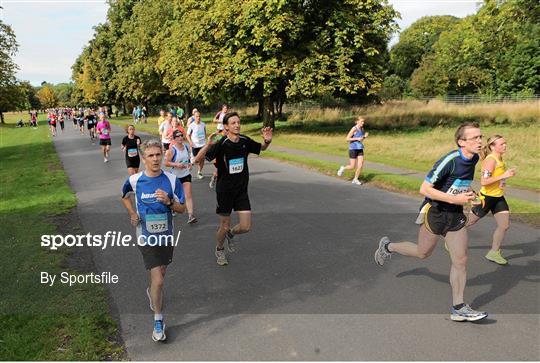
column 163, row 188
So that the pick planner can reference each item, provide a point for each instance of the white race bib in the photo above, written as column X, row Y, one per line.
column 459, row 186
column 236, row 165
column 132, row 153
column 156, row 223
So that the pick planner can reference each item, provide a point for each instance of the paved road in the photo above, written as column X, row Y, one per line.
column 303, row 285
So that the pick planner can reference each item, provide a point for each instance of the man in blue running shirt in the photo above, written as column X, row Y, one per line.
column 157, row 194
column 447, row 188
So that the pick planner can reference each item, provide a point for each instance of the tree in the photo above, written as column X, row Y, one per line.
column 47, row 97
column 272, row 50
column 494, row 51
column 63, row 92
column 10, row 93
column 416, row 42
column 392, row 88
column 31, row 101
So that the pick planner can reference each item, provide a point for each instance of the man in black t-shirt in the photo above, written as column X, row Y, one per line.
column 91, row 123
column 231, row 155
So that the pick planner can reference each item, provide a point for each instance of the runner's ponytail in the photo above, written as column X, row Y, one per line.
column 486, row 149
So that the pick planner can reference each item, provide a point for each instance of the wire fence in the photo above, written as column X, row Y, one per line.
column 464, row 99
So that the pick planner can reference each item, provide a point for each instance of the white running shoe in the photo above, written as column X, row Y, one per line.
column 341, row 170
column 221, row 257
column 356, row 182
column 381, row 253
column 200, row 176
column 105, row 160
column 466, row 313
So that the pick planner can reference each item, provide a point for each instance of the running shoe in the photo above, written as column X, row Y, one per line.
column 192, row 220
column 356, row 182
column 466, row 313
column 105, row 160
column 381, row 254
column 496, row 256
column 340, row 171
column 230, row 243
column 150, row 303
column 200, row 176
column 158, row 335
column 213, row 181
column 221, row 257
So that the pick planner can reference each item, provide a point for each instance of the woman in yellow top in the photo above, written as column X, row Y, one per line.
column 494, row 175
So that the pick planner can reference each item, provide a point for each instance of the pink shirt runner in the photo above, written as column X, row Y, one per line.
column 105, row 128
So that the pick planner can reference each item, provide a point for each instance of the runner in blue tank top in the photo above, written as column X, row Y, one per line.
column 355, row 137
column 447, row 188
column 157, row 194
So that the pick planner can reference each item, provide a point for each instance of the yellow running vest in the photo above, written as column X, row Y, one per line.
column 495, row 189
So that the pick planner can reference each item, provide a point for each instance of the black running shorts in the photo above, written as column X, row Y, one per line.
column 353, row 154
column 196, row 150
column 133, row 162
column 490, row 204
column 185, row 179
column 154, row 256
column 104, row 142
column 230, row 200
column 440, row 222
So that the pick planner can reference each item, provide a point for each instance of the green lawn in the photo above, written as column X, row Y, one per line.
column 415, row 150
column 38, row 322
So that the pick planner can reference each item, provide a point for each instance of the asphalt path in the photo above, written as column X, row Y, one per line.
column 303, row 284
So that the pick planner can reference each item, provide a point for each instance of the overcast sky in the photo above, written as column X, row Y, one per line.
column 52, row 33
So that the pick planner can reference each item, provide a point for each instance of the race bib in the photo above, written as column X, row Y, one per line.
column 200, row 134
column 236, row 165
column 459, row 186
column 156, row 223
column 132, row 153
column 105, row 131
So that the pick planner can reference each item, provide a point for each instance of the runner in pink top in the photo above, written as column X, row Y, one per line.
column 104, row 131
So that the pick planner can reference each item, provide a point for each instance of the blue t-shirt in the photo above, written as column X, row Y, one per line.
column 451, row 174
column 155, row 217
column 357, row 145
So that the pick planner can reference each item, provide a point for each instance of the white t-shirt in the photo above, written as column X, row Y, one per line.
column 180, row 156
column 163, row 129
column 197, row 133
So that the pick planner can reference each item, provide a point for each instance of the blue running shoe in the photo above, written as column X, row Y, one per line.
column 158, row 335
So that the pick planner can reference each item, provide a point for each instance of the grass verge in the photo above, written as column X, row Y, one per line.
column 522, row 211
column 38, row 322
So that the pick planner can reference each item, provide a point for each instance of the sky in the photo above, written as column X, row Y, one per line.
column 52, row 33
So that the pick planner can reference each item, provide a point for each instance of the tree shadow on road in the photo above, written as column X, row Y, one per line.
column 501, row 281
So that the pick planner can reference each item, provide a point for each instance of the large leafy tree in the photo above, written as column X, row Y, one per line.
column 11, row 95
column 416, row 42
column 137, row 50
column 497, row 50
column 275, row 49
column 47, row 97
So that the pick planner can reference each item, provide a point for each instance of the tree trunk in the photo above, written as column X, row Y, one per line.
column 268, row 112
column 260, row 110
column 2, row 118
column 188, row 107
column 124, row 110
